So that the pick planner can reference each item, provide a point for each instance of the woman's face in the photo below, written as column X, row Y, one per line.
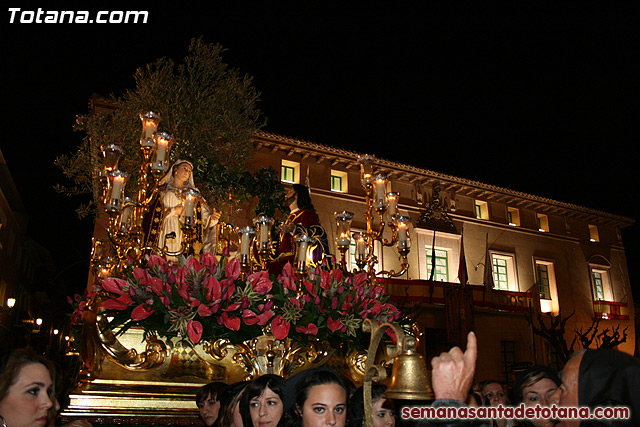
column 494, row 394
column 383, row 415
column 266, row 409
column 538, row 394
column 209, row 410
column 182, row 172
column 326, row 404
column 27, row 401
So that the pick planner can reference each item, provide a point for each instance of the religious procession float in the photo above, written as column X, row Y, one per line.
column 179, row 296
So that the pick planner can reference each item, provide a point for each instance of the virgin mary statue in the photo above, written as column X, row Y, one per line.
column 163, row 231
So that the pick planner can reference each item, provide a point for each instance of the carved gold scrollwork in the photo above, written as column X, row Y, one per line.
column 153, row 356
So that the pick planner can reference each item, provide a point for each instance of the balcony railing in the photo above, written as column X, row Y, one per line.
column 425, row 291
column 610, row 310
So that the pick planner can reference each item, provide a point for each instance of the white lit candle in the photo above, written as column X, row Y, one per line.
column 302, row 256
column 392, row 200
column 245, row 243
column 380, row 186
column 264, row 233
column 161, row 149
column 361, row 247
column 402, row 226
column 116, row 189
column 188, row 205
column 343, row 240
column 150, row 127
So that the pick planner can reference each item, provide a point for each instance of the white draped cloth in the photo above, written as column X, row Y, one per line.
column 170, row 236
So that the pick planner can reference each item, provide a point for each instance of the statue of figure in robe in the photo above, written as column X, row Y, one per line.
column 162, row 225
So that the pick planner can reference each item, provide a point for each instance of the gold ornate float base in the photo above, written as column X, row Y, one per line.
column 129, row 376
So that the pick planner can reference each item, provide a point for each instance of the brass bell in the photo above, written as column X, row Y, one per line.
column 409, row 378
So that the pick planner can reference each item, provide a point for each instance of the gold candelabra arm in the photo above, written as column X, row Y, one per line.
column 373, row 372
column 404, row 265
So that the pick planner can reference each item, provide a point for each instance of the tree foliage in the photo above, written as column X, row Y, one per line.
column 209, row 108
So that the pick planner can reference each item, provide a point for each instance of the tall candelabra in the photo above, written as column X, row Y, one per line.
column 126, row 215
column 381, row 213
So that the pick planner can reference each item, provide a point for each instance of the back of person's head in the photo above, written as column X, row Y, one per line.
column 610, row 378
column 297, row 390
column 255, row 388
column 229, row 398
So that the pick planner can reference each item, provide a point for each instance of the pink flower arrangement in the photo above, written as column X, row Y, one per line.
column 202, row 299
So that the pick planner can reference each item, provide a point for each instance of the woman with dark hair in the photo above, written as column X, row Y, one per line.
column 316, row 397
column 383, row 409
column 208, row 402
column 262, row 402
column 26, row 389
column 534, row 387
column 229, row 415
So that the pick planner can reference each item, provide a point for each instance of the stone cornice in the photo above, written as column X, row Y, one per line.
column 444, row 182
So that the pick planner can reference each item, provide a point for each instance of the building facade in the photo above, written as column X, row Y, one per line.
column 546, row 257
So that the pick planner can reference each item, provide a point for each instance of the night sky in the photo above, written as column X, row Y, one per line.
column 536, row 99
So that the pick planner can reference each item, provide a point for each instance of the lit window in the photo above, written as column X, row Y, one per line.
column 482, row 210
column 290, row 172
column 593, row 233
column 543, row 281
column 339, row 181
column 514, row 217
column 546, row 279
column 543, row 222
column 504, row 272
column 601, row 285
column 500, row 274
column 442, row 264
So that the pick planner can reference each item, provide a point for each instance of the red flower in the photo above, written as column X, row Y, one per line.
column 337, row 275
column 325, row 279
column 141, row 312
column 279, row 328
column 116, row 286
column 194, row 330
column 310, row 287
column 213, row 288
column 120, row 303
column 159, row 261
column 209, row 261
column 233, row 270
column 360, row 278
column 205, row 310
column 264, row 317
column 260, row 282
column 193, row 263
column 333, row 325
column 232, row 323
column 249, row 317
column 310, row 329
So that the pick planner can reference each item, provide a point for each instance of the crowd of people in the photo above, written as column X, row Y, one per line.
column 320, row 396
